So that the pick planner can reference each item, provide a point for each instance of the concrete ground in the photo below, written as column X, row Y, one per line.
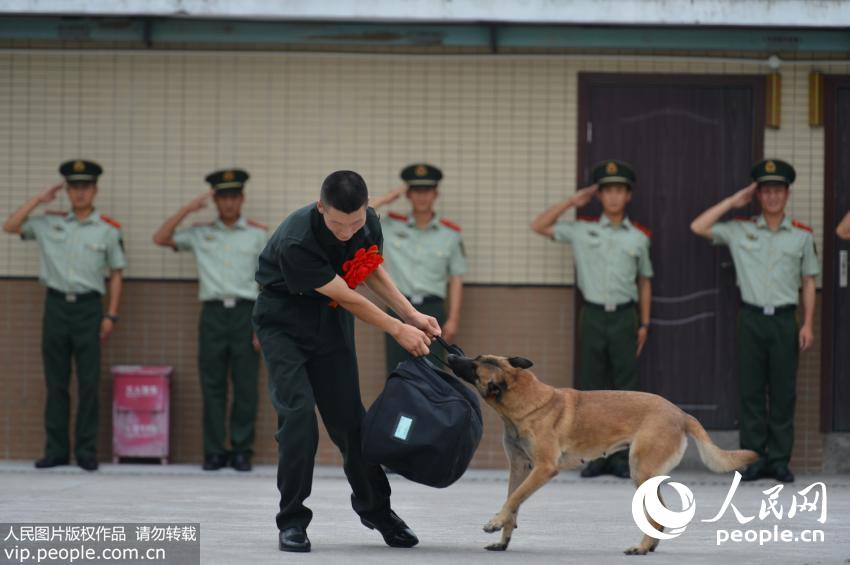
column 571, row 520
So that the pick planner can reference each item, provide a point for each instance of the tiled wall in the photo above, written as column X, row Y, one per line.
column 159, row 326
column 502, row 128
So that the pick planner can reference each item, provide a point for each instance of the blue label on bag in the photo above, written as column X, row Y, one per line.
column 402, row 429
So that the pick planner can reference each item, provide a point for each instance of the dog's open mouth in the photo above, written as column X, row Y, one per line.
column 463, row 367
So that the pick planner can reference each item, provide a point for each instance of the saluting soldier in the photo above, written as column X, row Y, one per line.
column 78, row 248
column 424, row 254
column 774, row 256
column 614, row 275
column 304, row 318
column 226, row 251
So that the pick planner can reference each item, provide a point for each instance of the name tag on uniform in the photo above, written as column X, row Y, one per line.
column 610, row 307
column 769, row 310
column 229, row 302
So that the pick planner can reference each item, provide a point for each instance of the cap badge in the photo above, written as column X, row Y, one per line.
column 611, row 168
column 770, row 167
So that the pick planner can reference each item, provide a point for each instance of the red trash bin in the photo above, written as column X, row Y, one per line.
column 141, row 397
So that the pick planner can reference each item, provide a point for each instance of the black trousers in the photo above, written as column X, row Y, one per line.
column 309, row 353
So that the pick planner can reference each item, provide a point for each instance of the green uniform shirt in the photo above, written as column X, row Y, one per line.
column 769, row 265
column 608, row 258
column 226, row 257
column 420, row 261
column 75, row 255
column 303, row 255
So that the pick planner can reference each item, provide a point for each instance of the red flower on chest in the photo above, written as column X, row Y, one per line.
column 358, row 268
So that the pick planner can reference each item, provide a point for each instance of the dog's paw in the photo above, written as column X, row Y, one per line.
column 635, row 551
column 497, row 547
column 494, row 525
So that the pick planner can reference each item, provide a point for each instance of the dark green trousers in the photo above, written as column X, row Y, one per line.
column 71, row 329
column 225, row 345
column 395, row 353
column 767, row 365
column 310, row 356
column 608, row 354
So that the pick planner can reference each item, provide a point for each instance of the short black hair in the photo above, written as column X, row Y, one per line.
column 345, row 191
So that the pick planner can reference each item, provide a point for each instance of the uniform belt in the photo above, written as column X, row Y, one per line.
column 74, row 296
column 229, row 302
column 611, row 307
column 769, row 310
column 419, row 299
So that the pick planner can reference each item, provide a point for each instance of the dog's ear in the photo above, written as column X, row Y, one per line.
column 520, row 362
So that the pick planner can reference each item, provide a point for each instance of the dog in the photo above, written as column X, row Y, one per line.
column 547, row 429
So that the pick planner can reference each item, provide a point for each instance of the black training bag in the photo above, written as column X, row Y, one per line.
column 425, row 425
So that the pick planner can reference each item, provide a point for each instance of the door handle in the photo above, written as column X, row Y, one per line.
column 842, row 268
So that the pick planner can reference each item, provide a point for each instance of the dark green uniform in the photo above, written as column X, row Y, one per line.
column 75, row 257
column 309, row 351
column 609, row 259
column 769, row 267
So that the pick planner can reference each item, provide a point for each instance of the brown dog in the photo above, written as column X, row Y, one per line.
column 547, row 429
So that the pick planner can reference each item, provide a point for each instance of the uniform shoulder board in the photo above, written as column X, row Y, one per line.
column 587, row 218
column 646, row 231
column 55, row 212
column 744, row 219
column 450, row 224
column 802, row 226
column 256, row 224
column 397, row 216
column 112, row 222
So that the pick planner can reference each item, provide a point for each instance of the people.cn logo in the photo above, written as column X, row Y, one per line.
column 647, row 502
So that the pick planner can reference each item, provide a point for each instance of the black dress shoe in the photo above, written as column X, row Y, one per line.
column 754, row 471
column 395, row 532
column 241, row 462
column 294, row 539
column 595, row 468
column 783, row 474
column 48, row 462
column 620, row 470
column 87, row 463
column 214, row 462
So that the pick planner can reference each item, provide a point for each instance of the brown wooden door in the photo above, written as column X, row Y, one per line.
column 692, row 140
column 836, row 291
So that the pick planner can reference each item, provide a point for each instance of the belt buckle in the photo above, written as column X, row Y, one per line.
column 417, row 299
column 70, row 297
column 610, row 307
column 229, row 302
column 769, row 310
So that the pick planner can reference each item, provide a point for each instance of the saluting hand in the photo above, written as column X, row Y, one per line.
column 744, row 196
column 395, row 194
column 49, row 194
column 584, row 195
column 200, row 201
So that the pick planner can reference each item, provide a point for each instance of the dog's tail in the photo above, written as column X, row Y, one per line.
column 716, row 459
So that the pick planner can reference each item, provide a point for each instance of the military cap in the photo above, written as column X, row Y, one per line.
column 611, row 171
column 228, row 179
column 773, row 170
column 79, row 170
column 421, row 175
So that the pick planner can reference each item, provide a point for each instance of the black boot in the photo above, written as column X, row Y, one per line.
column 48, row 462
column 395, row 532
column 294, row 539
column 214, row 462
